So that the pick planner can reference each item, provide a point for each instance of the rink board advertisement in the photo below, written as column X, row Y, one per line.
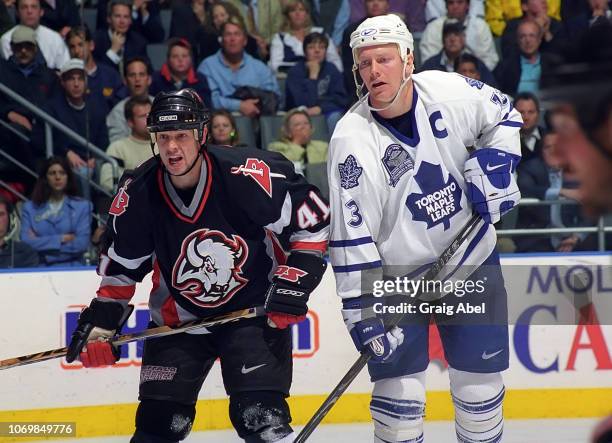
column 555, row 370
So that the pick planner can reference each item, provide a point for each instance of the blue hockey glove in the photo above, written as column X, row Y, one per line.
column 368, row 331
column 287, row 297
column 491, row 186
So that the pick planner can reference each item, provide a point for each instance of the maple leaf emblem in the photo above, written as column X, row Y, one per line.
column 350, row 172
column 439, row 201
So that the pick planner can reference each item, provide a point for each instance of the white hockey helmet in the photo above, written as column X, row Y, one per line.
column 379, row 31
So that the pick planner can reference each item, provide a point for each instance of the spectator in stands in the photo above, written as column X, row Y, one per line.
column 499, row 12
column 209, row 37
column 478, row 38
column 531, row 133
column 437, row 8
column 13, row 254
column 83, row 114
column 102, row 80
column 145, row 16
column 297, row 145
column 119, row 42
column 373, row 8
column 27, row 75
column 316, row 84
column 333, row 16
column 188, row 21
column 541, row 177
column 522, row 71
column 178, row 72
column 7, row 15
column 60, row 15
column 411, row 11
column 231, row 68
column 286, row 48
column 56, row 222
column 469, row 66
column 453, row 36
column 50, row 43
column 536, row 10
column 596, row 12
column 137, row 79
column 223, row 130
column 133, row 150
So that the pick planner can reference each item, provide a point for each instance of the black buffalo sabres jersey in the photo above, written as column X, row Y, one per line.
column 218, row 252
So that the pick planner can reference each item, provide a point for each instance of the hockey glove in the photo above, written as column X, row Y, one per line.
column 491, row 186
column 368, row 331
column 291, row 286
column 97, row 324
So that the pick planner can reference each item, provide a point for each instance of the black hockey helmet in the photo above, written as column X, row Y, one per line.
column 178, row 110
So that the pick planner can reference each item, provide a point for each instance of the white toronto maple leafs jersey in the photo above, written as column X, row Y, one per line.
column 397, row 200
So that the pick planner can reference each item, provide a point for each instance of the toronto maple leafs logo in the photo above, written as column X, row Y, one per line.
column 438, row 201
column 397, row 162
column 473, row 82
column 208, row 272
column 350, row 172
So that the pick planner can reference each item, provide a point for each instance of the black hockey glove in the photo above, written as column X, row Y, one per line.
column 287, row 297
column 97, row 324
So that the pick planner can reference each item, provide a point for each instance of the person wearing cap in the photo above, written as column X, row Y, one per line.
column 205, row 221
column 478, row 37
column 84, row 114
column 50, row 43
column 453, row 36
column 102, row 80
column 26, row 74
column 412, row 161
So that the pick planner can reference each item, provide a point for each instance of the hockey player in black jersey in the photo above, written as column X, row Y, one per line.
column 204, row 220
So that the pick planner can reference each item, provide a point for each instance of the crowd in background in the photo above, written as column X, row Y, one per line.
column 248, row 59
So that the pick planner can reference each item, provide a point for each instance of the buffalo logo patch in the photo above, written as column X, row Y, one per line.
column 397, row 162
column 259, row 171
column 121, row 200
column 350, row 172
column 208, row 271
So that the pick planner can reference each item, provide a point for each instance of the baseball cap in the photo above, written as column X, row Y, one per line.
column 23, row 34
column 72, row 64
column 452, row 25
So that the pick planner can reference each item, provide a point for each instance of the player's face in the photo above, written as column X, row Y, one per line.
column 4, row 220
column 177, row 150
column 380, row 68
column 468, row 69
column 221, row 128
column 583, row 161
column 179, row 60
column 529, row 113
column 57, row 178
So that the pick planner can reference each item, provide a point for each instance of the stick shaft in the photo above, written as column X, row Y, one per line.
column 363, row 359
column 160, row 331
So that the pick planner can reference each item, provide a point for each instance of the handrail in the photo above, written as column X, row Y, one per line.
column 49, row 120
column 15, row 131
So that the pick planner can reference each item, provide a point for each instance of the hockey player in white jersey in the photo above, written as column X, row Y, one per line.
column 409, row 164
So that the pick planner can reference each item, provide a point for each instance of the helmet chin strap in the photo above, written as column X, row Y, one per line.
column 405, row 78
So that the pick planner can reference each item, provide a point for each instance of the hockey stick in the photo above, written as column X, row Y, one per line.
column 160, row 331
column 363, row 359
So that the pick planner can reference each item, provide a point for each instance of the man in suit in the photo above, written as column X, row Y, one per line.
column 541, row 177
column 531, row 133
column 119, row 42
